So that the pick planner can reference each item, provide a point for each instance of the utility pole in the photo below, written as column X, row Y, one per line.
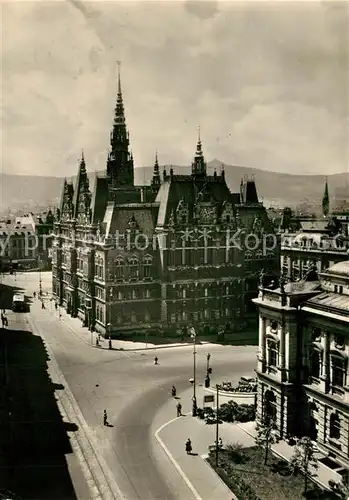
column 217, row 424
column 193, row 336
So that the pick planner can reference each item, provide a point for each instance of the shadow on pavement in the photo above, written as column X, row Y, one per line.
column 33, row 436
column 6, row 295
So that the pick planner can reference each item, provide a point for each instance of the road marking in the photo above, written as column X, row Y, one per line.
column 175, row 463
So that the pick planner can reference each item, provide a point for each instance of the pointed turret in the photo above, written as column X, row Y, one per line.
column 198, row 167
column 82, row 195
column 120, row 162
column 156, row 181
column 326, row 201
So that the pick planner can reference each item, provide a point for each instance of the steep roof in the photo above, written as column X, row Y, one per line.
column 341, row 268
column 122, row 217
column 188, row 188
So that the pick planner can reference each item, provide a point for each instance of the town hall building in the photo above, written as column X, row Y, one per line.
column 182, row 251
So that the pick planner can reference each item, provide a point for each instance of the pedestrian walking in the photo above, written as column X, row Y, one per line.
column 174, row 392
column 2, row 320
column 105, row 418
column 188, row 446
column 56, row 306
column 156, row 359
column 6, row 321
column 34, row 294
column 42, row 305
column 179, row 410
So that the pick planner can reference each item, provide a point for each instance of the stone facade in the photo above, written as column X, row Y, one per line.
column 302, row 365
column 182, row 251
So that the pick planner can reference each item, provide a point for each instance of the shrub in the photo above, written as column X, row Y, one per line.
column 227, row 411
column 235, row 452
column 245, row 413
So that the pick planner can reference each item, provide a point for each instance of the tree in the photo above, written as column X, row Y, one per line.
column 266, row 436
column 303, row 459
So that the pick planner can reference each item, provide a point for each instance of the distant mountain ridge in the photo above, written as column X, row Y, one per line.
column 27, row 192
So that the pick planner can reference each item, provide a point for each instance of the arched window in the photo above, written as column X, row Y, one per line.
column 147, row 266
column 335, row 426
column 133, row 268
column 119, row 268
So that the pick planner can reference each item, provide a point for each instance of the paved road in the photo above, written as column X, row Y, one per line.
column 133, row 391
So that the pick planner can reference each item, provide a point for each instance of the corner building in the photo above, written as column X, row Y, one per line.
column 183, row 251
column 302, row 368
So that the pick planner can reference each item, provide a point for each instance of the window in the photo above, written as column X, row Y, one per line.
column 226, row 290
column 206, row 314
column 173, row 318
column 147, row 294
column 184, row 316
column 340, row 289
column 335, row 426
column 206, row 292
column 133, row 268
column 119, row 268
column 338, row 372
column 147, row 267
column 119, row 295
column 184, row 294
column 316, row 358
column 272, row 353
column 270, row 407
column 227, row 311
column 133, row 294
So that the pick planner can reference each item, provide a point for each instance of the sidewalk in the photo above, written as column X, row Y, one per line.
column 89, row 337
column 205, row 483
column 283, row 450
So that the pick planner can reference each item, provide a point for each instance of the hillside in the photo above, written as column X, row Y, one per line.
column 24, row 192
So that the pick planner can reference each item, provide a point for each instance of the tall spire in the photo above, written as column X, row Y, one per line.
column 326, row 201
column 119, row 110
column 120, row 162
column 156, row 181
column 198, row 167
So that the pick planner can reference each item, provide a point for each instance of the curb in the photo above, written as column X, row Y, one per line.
column 165, row 346
column 96, row 472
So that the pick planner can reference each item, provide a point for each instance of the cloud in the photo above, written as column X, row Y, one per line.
column 267, row 82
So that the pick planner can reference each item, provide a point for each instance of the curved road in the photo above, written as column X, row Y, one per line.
column 135, row 393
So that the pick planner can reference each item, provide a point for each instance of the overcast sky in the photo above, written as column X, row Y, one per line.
column 266, row 82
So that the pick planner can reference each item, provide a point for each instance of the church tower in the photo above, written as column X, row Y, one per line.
column 120, row 162
column 198, row 167
column 326, row 201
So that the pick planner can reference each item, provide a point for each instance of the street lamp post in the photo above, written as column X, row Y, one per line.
column 193, row 336
column 110, row 317
column 40, row 280
column 208, row 363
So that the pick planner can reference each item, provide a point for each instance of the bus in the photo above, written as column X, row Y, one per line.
column 18, row 303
